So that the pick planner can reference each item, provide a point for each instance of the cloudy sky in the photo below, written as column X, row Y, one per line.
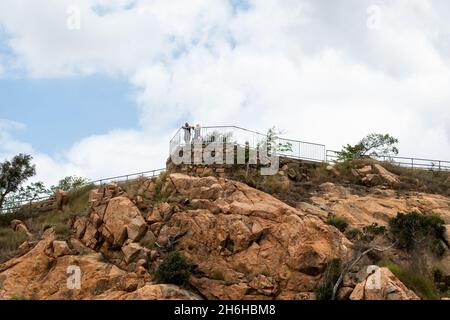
column 97, row 87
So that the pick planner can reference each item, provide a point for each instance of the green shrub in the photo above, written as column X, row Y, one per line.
column 174, row 269
column 367, row 233
column 437, row 248
column 338, row 222
column 58, row 220
column 438, row 275
column 421, row 285
column 217, row 275
column 354, row 234
column 407, row 228
column 148, row 243
column 77, row 200
column 324, row 292
column 374, row 229
column 62, row 231
column 160, row 194
column 332, row 272
column 270, row 184
column 77, row 205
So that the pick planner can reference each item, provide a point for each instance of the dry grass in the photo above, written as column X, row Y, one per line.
column 77, row 205
column 418, row 180
column 421, row 285
column 421, row 180
column 10, row 242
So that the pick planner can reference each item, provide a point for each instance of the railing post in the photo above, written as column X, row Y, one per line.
column 412, row 163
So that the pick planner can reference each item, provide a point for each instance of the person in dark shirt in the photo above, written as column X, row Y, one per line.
column 187, row 133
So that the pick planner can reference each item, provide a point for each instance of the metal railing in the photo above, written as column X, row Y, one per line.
column 414, row 163
column 243, row 137
column 128, row 177
column 18, row 203
column 240, row 136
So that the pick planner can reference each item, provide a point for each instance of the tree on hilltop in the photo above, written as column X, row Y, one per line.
column 13, row 173
column 373, row 145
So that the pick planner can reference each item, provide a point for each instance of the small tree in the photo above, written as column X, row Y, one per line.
column 414, row 227
column 373, row 145
column 31, row 192
column 69, row 183
column 271, row 144
column 34, row 190
column 13, row 174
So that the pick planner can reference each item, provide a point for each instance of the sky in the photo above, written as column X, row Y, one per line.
column 97, row 88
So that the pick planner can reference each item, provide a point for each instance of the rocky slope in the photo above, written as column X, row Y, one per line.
column 242, row 243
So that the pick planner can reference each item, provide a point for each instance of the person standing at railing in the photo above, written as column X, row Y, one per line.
column 197, row 133
column 187, row 133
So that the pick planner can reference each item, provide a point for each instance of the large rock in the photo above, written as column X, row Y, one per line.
column 60, row 198
column 90, row 236
column 37, row 275
column 264, row 285
column 386, row 286
column 95, row 197
column 79, row 227
column 19, row 226
column 123, row 221
column 364, row 170
column 157, row 292
column 162, row 211
column 244, row 232
column 361, row 209
column 132, row 251
column 218, row 290
column 388, row 176
column 372, row 180
column 60, row 248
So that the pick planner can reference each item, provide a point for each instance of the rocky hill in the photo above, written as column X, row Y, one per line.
column 221, row 233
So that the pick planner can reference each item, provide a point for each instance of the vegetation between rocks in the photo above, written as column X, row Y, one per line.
column 332, row 272
column 10, row 241
column 413, row 228
column 338, row 222
column 174, row 269
column 418, row 283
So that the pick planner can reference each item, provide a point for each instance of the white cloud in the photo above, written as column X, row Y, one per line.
column 310, row 67
column 116, row 153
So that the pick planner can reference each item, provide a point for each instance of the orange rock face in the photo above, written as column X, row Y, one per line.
column 241, row 242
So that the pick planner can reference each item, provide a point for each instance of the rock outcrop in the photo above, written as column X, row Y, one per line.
column 375, row 175
column 242, row 243
column 42, row 273
column 261, row 247
column 114, row 227
column 244, row 233
column 382, row 286
column 19, row 226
